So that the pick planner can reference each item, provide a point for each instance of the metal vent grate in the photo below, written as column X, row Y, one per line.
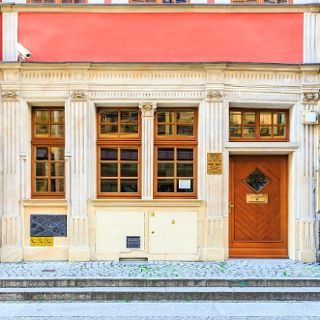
column 133, row 242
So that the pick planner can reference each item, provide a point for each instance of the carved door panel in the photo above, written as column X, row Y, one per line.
column 258, row 220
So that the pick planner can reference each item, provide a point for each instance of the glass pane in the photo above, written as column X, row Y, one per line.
column 109, row 169
column 57, row 169
column 279, row 118
column 42, row 116
column 185, row 116
column 42, row 153
column 265, row 131
column 109, row 116
column 249, row 117
column 249, row 132
column 265, row 118
column 257, row 180
column 165, row 116
column 185, row 130
column 109, row 129
column 185, row 185
column 41, row 185
column 42, row 130
column 57, row 130
column 185, row 170
column 235, row 131
column 279, row 132
column 235, row 118
column 165, row 129
column 41, row 169
column 57, row 116
column 129, row 169
column 129, row 154
column 108, row 154
column 129, row 116
column 165, row 153
column 184, row 154
column 165, row 185
column 129, row 185
column 57, row 185
column 57, row 153
column 109, row 185
column 165, row 170
column 129, row 128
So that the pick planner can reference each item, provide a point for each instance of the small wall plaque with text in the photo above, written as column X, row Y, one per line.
column 214, row 163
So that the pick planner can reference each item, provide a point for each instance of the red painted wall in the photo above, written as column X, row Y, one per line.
column 0, row 36
column 163, row 37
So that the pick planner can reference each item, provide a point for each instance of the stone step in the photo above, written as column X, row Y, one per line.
column 161, row 294
column 107, row 282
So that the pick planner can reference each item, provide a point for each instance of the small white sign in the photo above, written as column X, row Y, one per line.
column 184, row 184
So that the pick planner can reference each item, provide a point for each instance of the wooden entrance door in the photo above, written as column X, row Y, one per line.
column 258, row 223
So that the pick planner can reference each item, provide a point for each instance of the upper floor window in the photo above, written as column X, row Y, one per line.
column 258, row 125
column 159, row 1
column 119, row 154
column 48, row 165
column 175, row 153
column 57, row 1
column 261, row 1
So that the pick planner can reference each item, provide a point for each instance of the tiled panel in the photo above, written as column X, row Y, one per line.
column 45, row 225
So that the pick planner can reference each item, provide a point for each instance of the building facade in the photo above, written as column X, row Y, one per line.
column 161, row 132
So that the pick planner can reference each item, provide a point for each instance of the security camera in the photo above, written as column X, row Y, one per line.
column 23, row 53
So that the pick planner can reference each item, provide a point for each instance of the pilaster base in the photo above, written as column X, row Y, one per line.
column 214, row 254
column 79, row 254
column 307, row 256
column 11, row 254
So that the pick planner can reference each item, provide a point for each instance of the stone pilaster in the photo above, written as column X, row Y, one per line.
column 11, row 250
column 10, row 36
column 77, row 156
column 311, row 35
column 147, row 115
column 306, row 166
column 212, row 119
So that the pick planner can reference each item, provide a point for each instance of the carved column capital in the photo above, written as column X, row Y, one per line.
column 78, row 95
column 311, row 97
column 214, row 95
column 148, row 108
column 10, row 96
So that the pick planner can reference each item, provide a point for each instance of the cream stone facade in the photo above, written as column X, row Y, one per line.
column 170, row 229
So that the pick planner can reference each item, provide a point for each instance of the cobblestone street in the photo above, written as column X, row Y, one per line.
column 230, row 269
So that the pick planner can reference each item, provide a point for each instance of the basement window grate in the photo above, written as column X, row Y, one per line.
column 133, row 242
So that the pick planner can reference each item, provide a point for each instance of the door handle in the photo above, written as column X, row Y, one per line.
column 231, row 206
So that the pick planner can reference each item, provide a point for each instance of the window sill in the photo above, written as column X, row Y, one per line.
column 146, row 203
column 45, row 203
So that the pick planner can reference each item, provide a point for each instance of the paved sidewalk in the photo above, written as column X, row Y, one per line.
column 161, row 311
column 231, row 269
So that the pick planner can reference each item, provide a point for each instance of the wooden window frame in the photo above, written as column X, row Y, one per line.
column 151, row 2
column 118, row 142
column 260, row 2
column 47, row 142
column 176, row 141
column 257, row 125
column 56, row 2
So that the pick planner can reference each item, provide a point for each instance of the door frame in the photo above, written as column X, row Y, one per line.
column 260, row 252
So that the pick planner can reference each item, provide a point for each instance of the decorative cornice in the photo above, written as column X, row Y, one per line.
column 147, row 108
column 214, row 95
column 78, row 95
column 9, row 95
column 311, row 97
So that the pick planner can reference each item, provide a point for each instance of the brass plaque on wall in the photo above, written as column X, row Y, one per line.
column 257, row 198
column 41, row 241
column 214, row 163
